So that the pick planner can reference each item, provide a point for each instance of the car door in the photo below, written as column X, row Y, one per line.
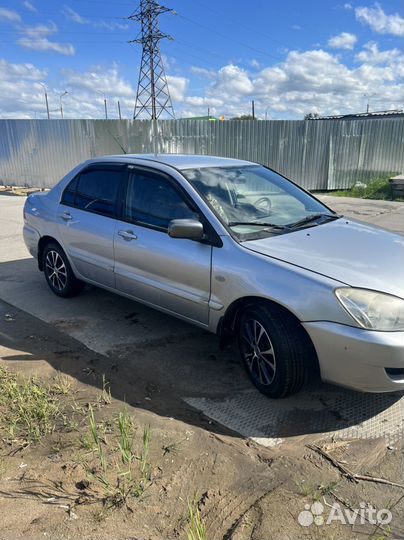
column 169, row 273
column 86, row 221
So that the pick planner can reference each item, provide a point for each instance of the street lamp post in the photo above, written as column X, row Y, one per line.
column 368, row 96
column 61, row 106
column 46, row 99
column 105, row 103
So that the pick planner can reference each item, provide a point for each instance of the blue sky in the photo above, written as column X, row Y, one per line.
column 292, row 57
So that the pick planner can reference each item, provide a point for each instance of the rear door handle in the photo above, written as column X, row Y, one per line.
column 66, row 216
column 127, row 235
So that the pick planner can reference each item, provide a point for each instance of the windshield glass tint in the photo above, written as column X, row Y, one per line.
column 252, row 194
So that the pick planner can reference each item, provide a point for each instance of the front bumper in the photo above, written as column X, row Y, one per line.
column 358, row 358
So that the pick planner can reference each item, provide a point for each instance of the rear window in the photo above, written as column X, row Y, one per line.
column 95, row 190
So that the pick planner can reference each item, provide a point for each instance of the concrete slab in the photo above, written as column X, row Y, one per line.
column 321, row 413
column 100, row 320
column 386, row 214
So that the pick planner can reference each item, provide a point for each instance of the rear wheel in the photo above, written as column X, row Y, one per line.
column 58, row 272
column 273, row 349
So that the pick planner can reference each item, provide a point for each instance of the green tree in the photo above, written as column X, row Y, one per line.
column 244, row 117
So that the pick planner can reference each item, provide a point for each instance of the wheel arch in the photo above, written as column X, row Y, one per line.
column 43, row 242
column 228, row 324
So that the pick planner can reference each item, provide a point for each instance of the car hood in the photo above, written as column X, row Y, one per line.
column 351, row 252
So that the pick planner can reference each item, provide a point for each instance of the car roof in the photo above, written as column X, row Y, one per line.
column 185, row 161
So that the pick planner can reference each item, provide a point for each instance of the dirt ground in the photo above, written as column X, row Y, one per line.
column 64, row 486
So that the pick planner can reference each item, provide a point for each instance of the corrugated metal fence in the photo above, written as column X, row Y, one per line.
column 319, row 155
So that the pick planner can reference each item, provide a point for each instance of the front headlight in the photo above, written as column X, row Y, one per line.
column 373, row 310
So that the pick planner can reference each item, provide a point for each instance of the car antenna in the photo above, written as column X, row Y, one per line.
column 154, row 136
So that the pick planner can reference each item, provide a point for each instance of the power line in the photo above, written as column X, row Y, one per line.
column 105, row 2
column 152, row 96
column 35, row 35
column 197, row 23
column 242, row 25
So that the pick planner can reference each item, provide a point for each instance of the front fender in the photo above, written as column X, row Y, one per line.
column 238, row 273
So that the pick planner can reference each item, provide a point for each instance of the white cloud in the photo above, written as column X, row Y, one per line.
column 178, row 87
column 40, row 30
column 347, row 6
column 74, row 16
column 87, row 89
column 36, row 39
column 199, row 101
column 255, row 64
column 379, row 21
column 111, row 25
column 372, row 55
column 305, row 81
column 203, row 72
column 21, row 95
column 309, row 81
column 43, row 44
column 232, row 83
column 345, row 40
column 30, row 6
column 9, row 15
column 99, row 79
column 20, row 71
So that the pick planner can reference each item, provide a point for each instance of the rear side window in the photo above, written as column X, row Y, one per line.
column 95, row 190
column 70, row 192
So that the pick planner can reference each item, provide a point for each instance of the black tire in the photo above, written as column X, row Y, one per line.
column 263, row 329
column 58, row 272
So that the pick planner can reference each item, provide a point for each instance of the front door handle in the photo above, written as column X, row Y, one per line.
column 127, row 235
column 66, row 216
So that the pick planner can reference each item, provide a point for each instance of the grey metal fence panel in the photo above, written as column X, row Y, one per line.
column 319, row 155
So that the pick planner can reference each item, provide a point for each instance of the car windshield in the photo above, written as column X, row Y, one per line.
column 255, row 201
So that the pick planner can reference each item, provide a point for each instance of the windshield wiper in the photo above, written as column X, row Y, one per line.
column 309, row 219
column 256, row 224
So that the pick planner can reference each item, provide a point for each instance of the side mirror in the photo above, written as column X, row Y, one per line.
column 192, row 229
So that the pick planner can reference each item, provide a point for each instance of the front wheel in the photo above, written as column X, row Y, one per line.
column 273, row 349
column 58, row 272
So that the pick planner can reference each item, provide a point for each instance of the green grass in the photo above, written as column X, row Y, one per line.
column 29, row 408
column 144, row 456
column 116, row 469
column 125, row 426
column 106, row 397
column 196, row 527
column 379, row 188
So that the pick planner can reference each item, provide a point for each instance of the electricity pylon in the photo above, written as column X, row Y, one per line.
column 152, row 96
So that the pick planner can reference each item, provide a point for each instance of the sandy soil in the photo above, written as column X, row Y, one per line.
column 50, row 488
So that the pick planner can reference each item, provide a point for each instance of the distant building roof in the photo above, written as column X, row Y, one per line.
column 377, row 114
column 211, row 118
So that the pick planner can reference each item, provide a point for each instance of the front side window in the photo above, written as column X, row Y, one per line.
column 153, row 201
column 255, row 201
column 94, row 190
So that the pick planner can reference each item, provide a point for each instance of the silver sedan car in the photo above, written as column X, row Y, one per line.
column 235, row 248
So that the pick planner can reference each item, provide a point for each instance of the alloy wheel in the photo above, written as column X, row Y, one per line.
column 56, row 270
column 258, row 351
